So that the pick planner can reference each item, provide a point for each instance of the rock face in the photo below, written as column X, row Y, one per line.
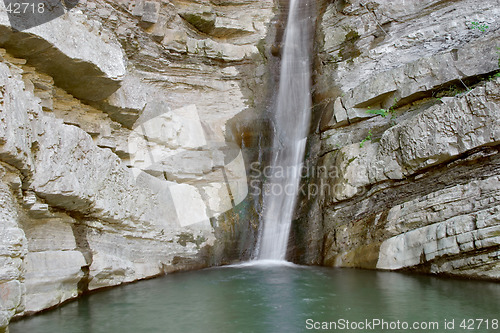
column 407, row 102
column 128, row 128
column 117, row 155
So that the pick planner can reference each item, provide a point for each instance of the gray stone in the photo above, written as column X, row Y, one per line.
column 201, row 17
column 151, row 10
column 12, row 250
column 48, row 47
column 432, row 137
column 16, row 109
column 226, row 27
column 340, row 113
column 49, row 234
column 51, row 278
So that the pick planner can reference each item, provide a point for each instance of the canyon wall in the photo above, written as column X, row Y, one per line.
column 407, row 102
column 127, row 131
column 119, row 157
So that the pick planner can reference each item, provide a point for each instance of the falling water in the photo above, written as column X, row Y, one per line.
column 291, row 119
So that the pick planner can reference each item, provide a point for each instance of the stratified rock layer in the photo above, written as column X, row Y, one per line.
column 409, row 138
column 117, row 157
column 121, row 124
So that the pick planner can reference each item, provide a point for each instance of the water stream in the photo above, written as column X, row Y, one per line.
column 291, row 126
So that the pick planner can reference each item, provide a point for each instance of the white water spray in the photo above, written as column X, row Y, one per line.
column 291, row 119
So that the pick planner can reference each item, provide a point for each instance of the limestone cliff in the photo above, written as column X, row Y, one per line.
column 118, row 158
column 127, row 129
column 407, row 97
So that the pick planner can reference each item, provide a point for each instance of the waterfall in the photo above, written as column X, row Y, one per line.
column 291, row 119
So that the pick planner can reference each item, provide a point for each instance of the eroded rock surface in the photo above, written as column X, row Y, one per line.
column 409, row 138
column 117, row 162
column 122, row 123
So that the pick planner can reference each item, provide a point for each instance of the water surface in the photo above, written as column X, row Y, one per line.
column 270, row 299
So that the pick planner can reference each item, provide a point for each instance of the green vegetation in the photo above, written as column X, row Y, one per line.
column 352, row 35
column 385, row 112
column 451, row 91
column 335, row 58
column 348, row 49
column 381, row 112
column 186, row 237
column 368, row 138
column 261, row 46
column 351, row 160
column 479, row 26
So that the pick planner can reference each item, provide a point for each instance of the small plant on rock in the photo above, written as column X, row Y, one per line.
column 380, row 112
column 385, row 112
column 450, row 91
column 368, row 138
column 479, row 26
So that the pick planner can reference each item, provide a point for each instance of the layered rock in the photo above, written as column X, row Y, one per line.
column 117, row 155
column 135, row 169
column 409, row 138
column 82, row 61
column 12, row 250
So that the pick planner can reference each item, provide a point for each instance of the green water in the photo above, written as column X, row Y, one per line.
column 274, row 299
